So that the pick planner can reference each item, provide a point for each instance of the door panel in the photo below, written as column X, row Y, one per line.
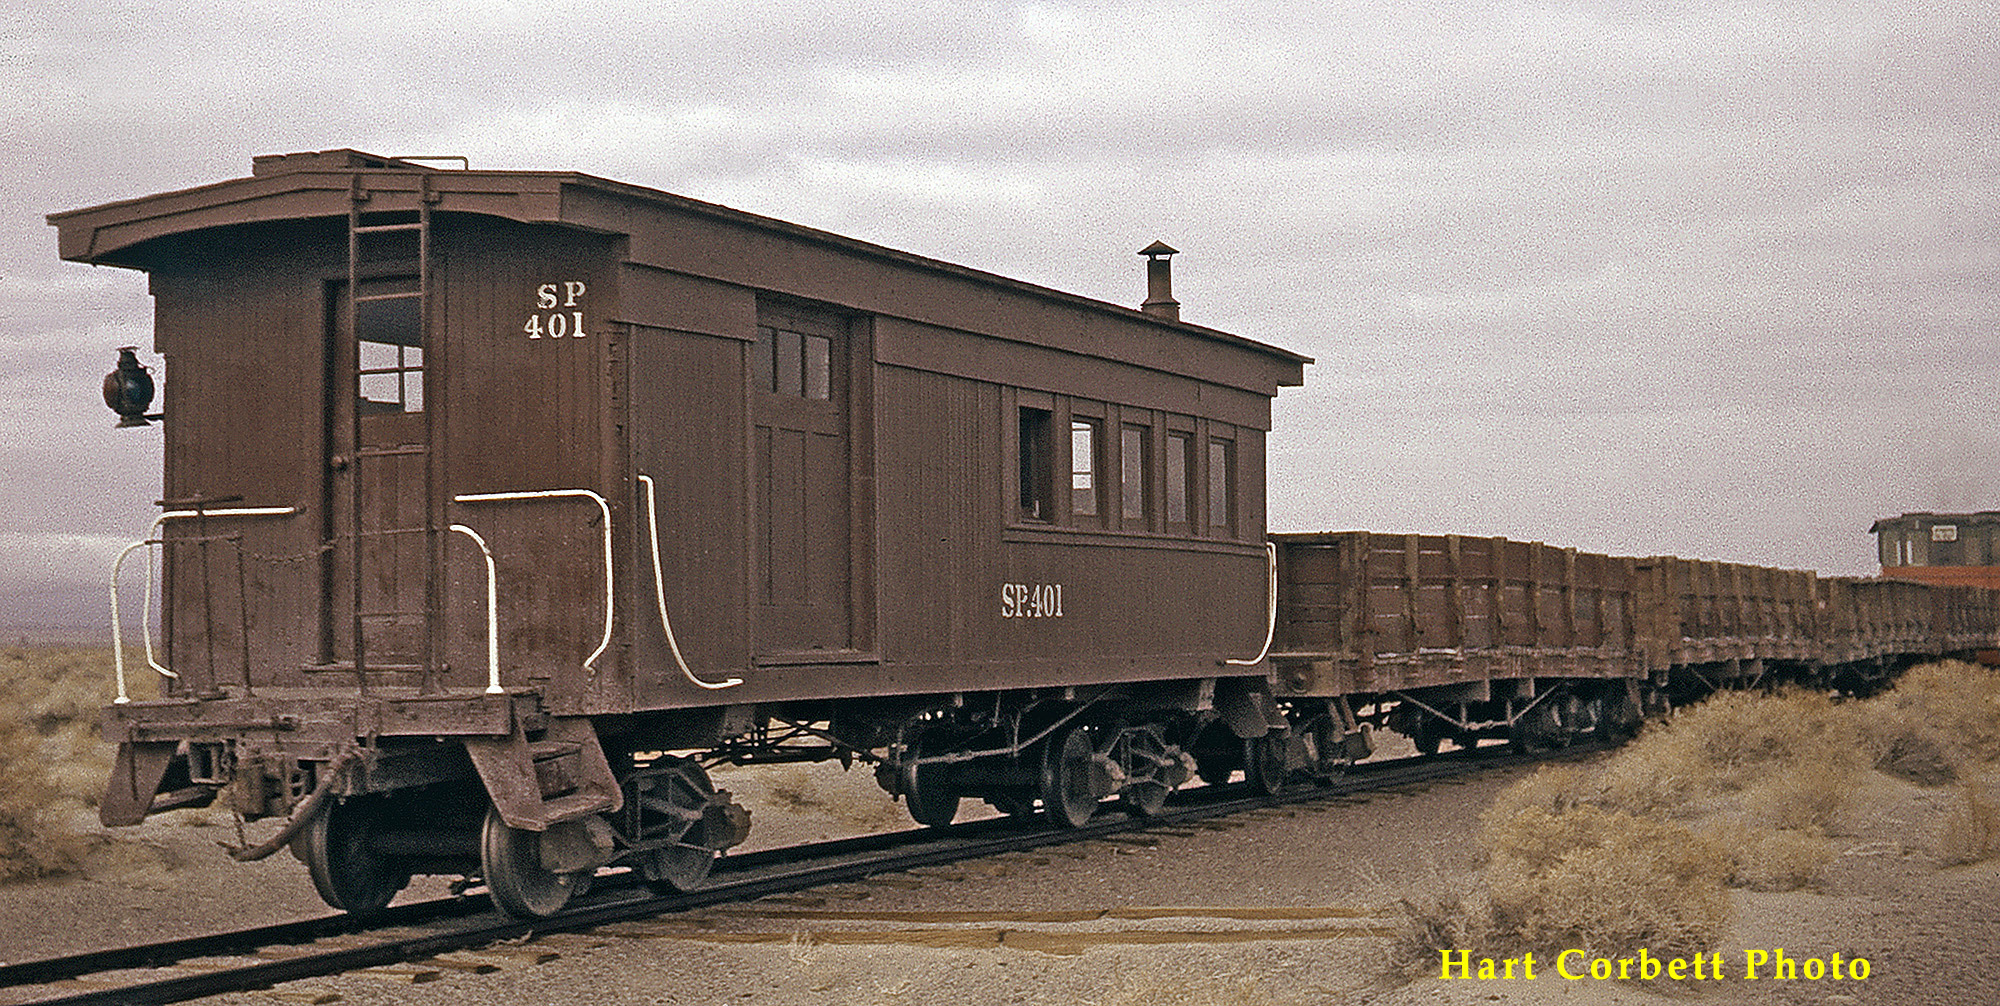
column 375, row 472
column 804, row 503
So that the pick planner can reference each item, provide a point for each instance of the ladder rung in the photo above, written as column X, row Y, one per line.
column 381, row 452
column 386, row 228
column 388, row 296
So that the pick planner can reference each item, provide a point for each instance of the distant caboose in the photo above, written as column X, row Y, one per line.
column 1941, row 548
column 485, row 488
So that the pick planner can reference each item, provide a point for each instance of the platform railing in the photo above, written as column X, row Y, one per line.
column 146, row 611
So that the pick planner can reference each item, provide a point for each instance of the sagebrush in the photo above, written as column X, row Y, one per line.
column 52, row 764
column 1739, row 791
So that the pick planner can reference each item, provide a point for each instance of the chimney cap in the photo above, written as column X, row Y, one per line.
column 1157, row 249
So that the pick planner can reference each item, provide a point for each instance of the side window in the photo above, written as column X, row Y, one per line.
column 1221, row 483
column 1180, row 487
column 1037, row 451
column 1134, row 446
column 1085, row 487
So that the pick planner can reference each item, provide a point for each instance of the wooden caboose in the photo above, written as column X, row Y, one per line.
column 714, row 471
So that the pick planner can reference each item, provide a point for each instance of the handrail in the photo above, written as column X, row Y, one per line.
column 1271, row 625
column 660, row 596
column 146, row 612
column 589, row 663
column 492, row 613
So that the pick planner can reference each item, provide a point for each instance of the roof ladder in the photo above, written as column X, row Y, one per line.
column 403, row 344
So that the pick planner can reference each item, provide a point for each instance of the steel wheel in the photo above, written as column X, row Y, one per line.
column 1427, row 737
column 348, row 874
column 681, row 868
column 673, row 806
column 511, row 859
column 1069, row 778
column 1264, row 763
column 1144, row 793
column 931, row 800
column 1146, row 799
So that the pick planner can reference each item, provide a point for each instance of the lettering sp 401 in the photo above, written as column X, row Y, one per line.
column 557, row 313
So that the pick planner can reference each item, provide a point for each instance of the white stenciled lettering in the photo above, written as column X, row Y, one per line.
column 1031, row 600
column 557, row 324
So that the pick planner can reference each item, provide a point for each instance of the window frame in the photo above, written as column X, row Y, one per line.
column 1034, row 450
column 1135, row 476
column 1220, row 480
column 1091, row 454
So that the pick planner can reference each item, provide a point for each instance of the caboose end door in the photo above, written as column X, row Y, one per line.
column 377, row 605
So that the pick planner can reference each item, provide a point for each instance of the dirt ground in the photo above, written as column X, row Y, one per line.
column 1274, row 907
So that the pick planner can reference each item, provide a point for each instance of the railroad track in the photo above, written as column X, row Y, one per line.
column 270, row 955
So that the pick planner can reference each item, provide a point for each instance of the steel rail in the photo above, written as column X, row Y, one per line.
column 738, row 878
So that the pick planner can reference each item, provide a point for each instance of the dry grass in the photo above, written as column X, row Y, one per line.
column 1768, row 859
column 1585, row 876
column 1952, row 705
column 1971, row 831
column 51, row 763
column 1740, row 791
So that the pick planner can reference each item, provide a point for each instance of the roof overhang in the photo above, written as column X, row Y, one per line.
column 325, row 184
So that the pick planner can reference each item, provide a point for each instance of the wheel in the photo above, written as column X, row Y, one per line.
column 1069, row 778
column 511, row 859
column 1427, row 738
column 926, row 788
column 348, row 874
column 678, row 869
column 1146, row 799
column 1145, row 759
column 1264, row 763
column 675, row 792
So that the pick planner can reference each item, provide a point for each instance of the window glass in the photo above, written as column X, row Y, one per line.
column 1083, row 467
column 1132, row 468
column 392, row 377
column 1180, row 467
column 818, row 382
column 1220, row 478
column 790, row 372
column 389, row 337
column 1037, row 450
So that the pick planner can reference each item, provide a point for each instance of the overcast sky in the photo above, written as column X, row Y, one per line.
column 1711, row 279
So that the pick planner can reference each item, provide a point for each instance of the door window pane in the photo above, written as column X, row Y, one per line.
column 1180, row 466
column 1132, row 469
column 1220, row 478
column 1083, row 467
column 790, row 372
column 818, row 383
column 1037, row 450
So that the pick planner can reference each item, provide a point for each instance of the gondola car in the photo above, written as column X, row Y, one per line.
column 500, row 505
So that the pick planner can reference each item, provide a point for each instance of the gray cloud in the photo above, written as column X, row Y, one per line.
column 1709, row 279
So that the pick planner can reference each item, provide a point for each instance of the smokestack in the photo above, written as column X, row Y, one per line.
column 1160, row 302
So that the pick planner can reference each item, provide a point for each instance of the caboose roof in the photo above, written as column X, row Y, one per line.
column 134, row 233
column 1925, row 518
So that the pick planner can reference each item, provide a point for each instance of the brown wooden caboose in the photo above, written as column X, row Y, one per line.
column 566, row 469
